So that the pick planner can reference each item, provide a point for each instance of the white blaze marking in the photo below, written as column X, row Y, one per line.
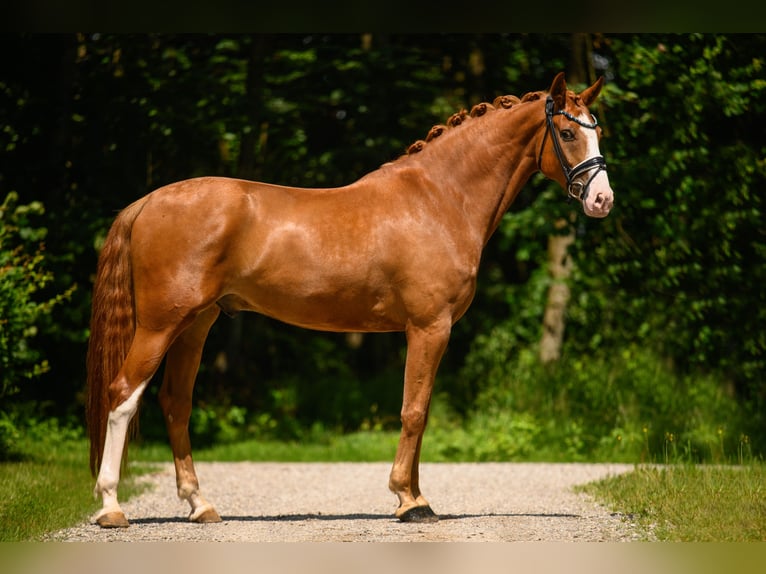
column 590, row 136
column 599, row 185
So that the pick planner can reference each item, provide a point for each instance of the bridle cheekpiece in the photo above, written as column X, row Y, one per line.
column 576, row 189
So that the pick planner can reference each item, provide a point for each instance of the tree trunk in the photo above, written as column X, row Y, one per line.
column 559, row 262
column 560, row 268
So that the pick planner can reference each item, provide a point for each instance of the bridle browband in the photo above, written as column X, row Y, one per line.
column 575, row 189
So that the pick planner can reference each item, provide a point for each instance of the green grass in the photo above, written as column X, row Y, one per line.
column 44, row 491
column 363, row 446
column 49, row 488
column 690, row 503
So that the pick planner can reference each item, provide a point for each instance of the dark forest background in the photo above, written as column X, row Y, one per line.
column 662, row 335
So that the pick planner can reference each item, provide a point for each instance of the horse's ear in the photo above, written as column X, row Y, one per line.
column 589, row 95
column 559, row 91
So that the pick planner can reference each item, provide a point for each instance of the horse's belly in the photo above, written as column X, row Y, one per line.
column 336, row 310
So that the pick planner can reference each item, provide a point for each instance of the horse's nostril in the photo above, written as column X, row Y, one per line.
column 599, row 199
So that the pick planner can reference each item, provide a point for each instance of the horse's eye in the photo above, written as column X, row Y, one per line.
column 567, row 135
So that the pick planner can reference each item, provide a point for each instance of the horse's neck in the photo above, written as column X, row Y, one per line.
column 485, row 164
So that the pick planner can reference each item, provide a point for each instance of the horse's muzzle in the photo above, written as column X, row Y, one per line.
column 599, row 200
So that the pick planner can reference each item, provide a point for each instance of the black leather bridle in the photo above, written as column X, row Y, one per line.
column 576, row 189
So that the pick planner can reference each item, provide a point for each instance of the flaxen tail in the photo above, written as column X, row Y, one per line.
column 112, row 325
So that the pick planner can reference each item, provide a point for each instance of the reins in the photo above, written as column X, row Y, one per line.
column 575, row 189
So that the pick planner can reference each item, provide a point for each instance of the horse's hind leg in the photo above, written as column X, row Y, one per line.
column 144, row 356
column 175, row 398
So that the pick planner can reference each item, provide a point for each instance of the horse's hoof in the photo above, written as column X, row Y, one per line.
column 112, row 520
column 419, row 514
column 206, row 517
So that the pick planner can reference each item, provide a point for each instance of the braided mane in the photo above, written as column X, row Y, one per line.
column 458, row 118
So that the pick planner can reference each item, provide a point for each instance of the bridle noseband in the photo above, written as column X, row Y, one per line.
column 575, row 189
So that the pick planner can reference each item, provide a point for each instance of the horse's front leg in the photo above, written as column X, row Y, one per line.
column 425, row 347
column 175, row 398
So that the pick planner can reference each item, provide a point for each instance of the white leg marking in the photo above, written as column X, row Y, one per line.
column 116, row 432
column 198, row 506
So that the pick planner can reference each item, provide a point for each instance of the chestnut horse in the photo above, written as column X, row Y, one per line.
column 397, row 250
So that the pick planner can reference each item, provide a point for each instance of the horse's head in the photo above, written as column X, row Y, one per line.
column 572, row 156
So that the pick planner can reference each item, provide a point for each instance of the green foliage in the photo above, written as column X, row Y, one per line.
column 674, row 271
column 487, row 436
column 628, row 407
column 679, row 266
column 22, row 277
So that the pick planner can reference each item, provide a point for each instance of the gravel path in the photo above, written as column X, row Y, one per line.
column 339, row 502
